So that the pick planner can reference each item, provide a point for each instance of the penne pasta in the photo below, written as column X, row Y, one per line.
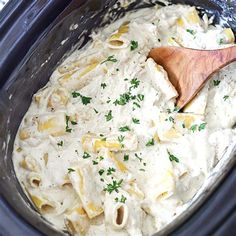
column 76, row 220
column 84, row 185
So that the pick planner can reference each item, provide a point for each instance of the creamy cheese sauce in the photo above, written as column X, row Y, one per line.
column 103, row 150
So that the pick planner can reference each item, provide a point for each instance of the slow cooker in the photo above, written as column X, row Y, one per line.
column 35, row 36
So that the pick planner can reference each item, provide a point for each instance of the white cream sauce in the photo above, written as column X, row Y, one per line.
column 83, row 143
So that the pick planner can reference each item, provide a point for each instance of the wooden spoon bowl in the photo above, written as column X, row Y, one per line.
column 189, row 69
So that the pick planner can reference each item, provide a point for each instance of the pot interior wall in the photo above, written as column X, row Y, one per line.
column 33, row 73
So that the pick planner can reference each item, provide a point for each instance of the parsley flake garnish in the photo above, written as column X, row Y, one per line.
column 221, row 41
column 191, row 31
column 110, row 170
column 111, row 59
column 137, row 156
column 136, row 121
column 134, row 45
column 126, row 157
column 68, row 130
column 109, row 116
column 70, row 170
column 121, row 139
column 85, row 100
column 73, row 122
column 95, row 162
column 86, row 155
column 176, row 109
column 100, row 172
column 193, row 128
column 136, row 104
column 60, row 143
column 150, row 143
column 172, row 157
column 134, row 83
column 122, row 200
column 171, row 119
column 216, row 82
column 140, row 97
column 103, row 85
column 202, row 126
column 95, row 110
column 113, row 186
column 124, row 99
column 226, row 97
column 124, row 129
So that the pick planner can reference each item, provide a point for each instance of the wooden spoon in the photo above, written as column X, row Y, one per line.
column 189, row 69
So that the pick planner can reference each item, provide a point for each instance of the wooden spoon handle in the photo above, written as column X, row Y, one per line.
column 189, row 69
column 219, row 58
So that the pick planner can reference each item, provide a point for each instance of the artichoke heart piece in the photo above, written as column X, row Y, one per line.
column 227, row 36
column 172, row 126
column 190, row 18
column 93, row 143
column 59, row 98
column 52, row 124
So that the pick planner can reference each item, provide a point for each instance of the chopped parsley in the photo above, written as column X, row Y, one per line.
column 109, row 116
column 95, row 162
column 140, row 97
column 226, row 97
column 221, row 41
column 101, row 171
column 103, row 85
column 68, row 130
column 134, row 83
column 202, row 126
column 85, row 100
column 137, row 156
column 111, row 59
column 171, row 119
column 136, row 121
column 110, row 170
column 124, row 99
column 124, row 129
column 133, row 45
column 114, row 186
column 191, row 31
column 86, row 155
column 193, row 128
column 95, row 110
column 121, row 139
column 172, row 157
column 216, row 82
column 126, row 157
column 122, row 200
column 73, row 122
column 168, row 110
column 60, row 143
column 70, row 170
column 141, row 169
column 150, row 143
column 136, row 104
column 75, row 94
column 176, row 109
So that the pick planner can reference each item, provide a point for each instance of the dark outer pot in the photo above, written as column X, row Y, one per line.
column 30, row 34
